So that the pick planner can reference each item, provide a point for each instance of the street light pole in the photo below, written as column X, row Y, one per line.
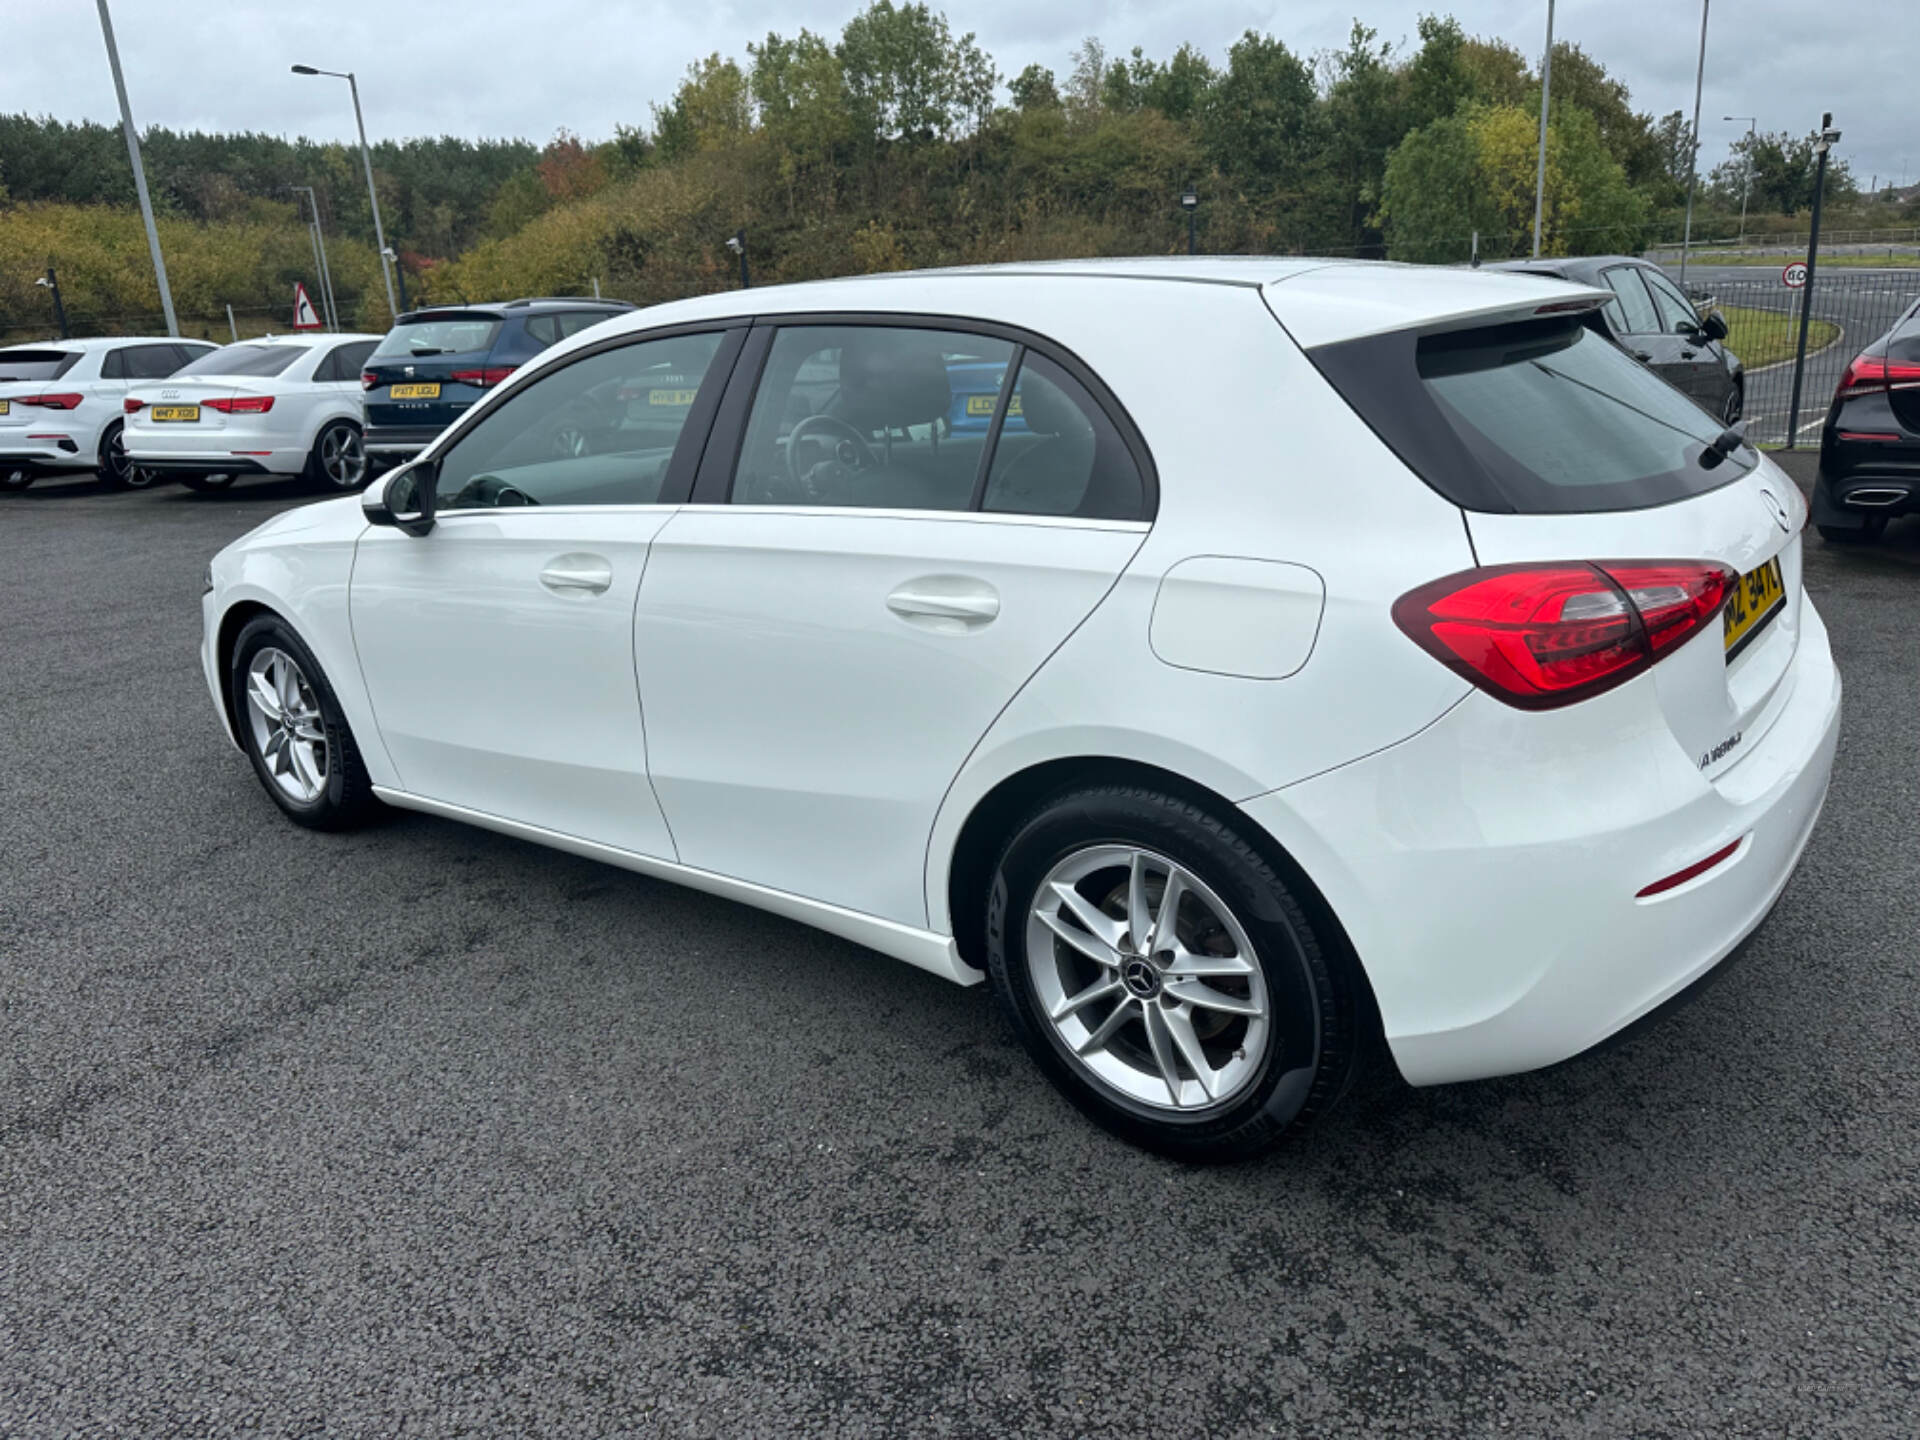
column 1693, row 144
column 1746, row 177
column 139, row 170
column 1190, row 202
column 737, row 243
column 366, row 156
column 1540, row 172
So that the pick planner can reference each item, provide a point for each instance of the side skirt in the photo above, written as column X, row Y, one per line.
column 921, row 948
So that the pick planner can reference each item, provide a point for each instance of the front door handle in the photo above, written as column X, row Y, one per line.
column 577, row 575
column 948, row 603
column 1643, row 355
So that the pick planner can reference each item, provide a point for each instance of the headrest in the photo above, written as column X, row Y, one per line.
column 1046, row 408
column 890, row 381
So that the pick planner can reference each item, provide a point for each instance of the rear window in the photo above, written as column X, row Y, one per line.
column 36, row 364
column 244, row 360
column 1540, row 417
column 448, row 335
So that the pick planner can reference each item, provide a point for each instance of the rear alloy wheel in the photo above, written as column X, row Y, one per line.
column 206, row 484
column 1161, row 972
column 339, row 458
column 291, row 726
column 117, row 471
column 15, row 478
column 1736, row 405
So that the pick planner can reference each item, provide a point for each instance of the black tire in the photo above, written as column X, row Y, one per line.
column 1311, row 1036
column 339, row 447
column 15, row 477
column 347, row 799
column 116, row 471
column 1874, row 527
column 206, row 484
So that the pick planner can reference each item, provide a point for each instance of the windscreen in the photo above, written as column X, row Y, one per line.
column 442, row 335
column 255, row 360
column 1542, row 416
column 36, row 364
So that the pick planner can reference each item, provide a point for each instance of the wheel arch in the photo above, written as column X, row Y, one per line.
column 986, row 830
column 232, row 622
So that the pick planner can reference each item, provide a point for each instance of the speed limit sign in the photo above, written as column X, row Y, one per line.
column 1795, row 275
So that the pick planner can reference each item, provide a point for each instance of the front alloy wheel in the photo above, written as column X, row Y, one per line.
column 284, row 719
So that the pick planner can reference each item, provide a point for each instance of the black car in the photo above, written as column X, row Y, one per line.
column 1656, row 323
column 1870, row 444
column 435, row 363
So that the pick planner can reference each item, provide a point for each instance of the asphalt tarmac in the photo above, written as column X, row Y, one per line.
column 423, row 1131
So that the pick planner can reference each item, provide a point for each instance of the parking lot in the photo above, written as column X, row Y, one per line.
column 426, row 1131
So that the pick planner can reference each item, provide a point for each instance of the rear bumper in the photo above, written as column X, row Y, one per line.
column 206, row 465
column 1492, row 893
column 1862, row 477
column 62, row 454
column 398, row 442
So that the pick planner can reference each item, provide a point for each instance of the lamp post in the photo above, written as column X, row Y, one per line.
column 391, row 255
column 1190, row 202
column 1540, row 172
column 366, row 156
column 737, row 243
column 139, row 170
column 51, row 282
column 1829, row 137
column 1693, row 144
column 1746, row 178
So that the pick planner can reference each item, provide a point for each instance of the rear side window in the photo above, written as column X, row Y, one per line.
column 36, row 364
column 142, row 362
column 255, row 360
column 439, row 335
column 1064, row 457
column 1540, row 417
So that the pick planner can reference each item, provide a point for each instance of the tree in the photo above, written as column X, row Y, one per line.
column 1474, row 171
column 907, row 78
column 1784, row 168
column 1260, row 122
column 1179, row 88
column 1034, row 89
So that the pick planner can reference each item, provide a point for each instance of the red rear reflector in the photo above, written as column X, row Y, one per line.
column 133, row 407
column 368, row 379
column 50, row 402
column 1542, row 636
column 492, row 375
column 241, row 404
column 1867, row 435
column 1680, row 877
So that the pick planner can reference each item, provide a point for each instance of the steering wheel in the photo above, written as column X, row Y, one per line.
column 487, row 492
column 850, row 453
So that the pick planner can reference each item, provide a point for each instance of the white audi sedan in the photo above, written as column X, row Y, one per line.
column 282, row 405
column 1226, row 659
column 60, row 405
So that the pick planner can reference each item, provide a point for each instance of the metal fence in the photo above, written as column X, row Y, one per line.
column 1846, row 310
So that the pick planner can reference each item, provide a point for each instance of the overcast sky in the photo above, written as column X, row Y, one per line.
column 529, row 67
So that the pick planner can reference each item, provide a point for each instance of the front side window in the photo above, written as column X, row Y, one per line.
column 1631, row 309
column 871, row 415
column 1676, row 315
column 598, row 431
column 344, row 362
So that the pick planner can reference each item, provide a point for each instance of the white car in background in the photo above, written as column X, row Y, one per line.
column 60, row 404
column 1417, row 659
column 281, row 405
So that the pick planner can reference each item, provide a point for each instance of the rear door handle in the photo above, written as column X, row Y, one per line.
column 577, row 575
column 947, row 603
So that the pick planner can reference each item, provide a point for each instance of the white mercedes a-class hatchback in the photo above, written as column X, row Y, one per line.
column 1229, row 660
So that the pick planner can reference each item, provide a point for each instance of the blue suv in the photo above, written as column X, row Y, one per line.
column 435, row 363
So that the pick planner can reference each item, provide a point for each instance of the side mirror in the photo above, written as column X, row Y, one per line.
column 402, row 498
column 1714, row 327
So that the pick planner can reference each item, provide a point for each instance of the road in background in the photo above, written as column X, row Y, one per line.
column 1862, row 303
column 425, row 1131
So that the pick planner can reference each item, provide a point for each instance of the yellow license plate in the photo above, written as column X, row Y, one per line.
column 670, row 397
column 161, row 414
column 415, row 392
column 981, row 404
column 5, row 406
column 1757, row 597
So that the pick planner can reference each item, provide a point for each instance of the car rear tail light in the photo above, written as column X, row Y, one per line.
column 64, row 401
column 1541, row 636
column 492, row 375
column 1680, row 877
column 368, row 379
column 241, row 404
column 1873, row 374
column 133, row 407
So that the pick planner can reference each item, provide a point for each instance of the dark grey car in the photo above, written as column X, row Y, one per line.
column 1654, row 321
